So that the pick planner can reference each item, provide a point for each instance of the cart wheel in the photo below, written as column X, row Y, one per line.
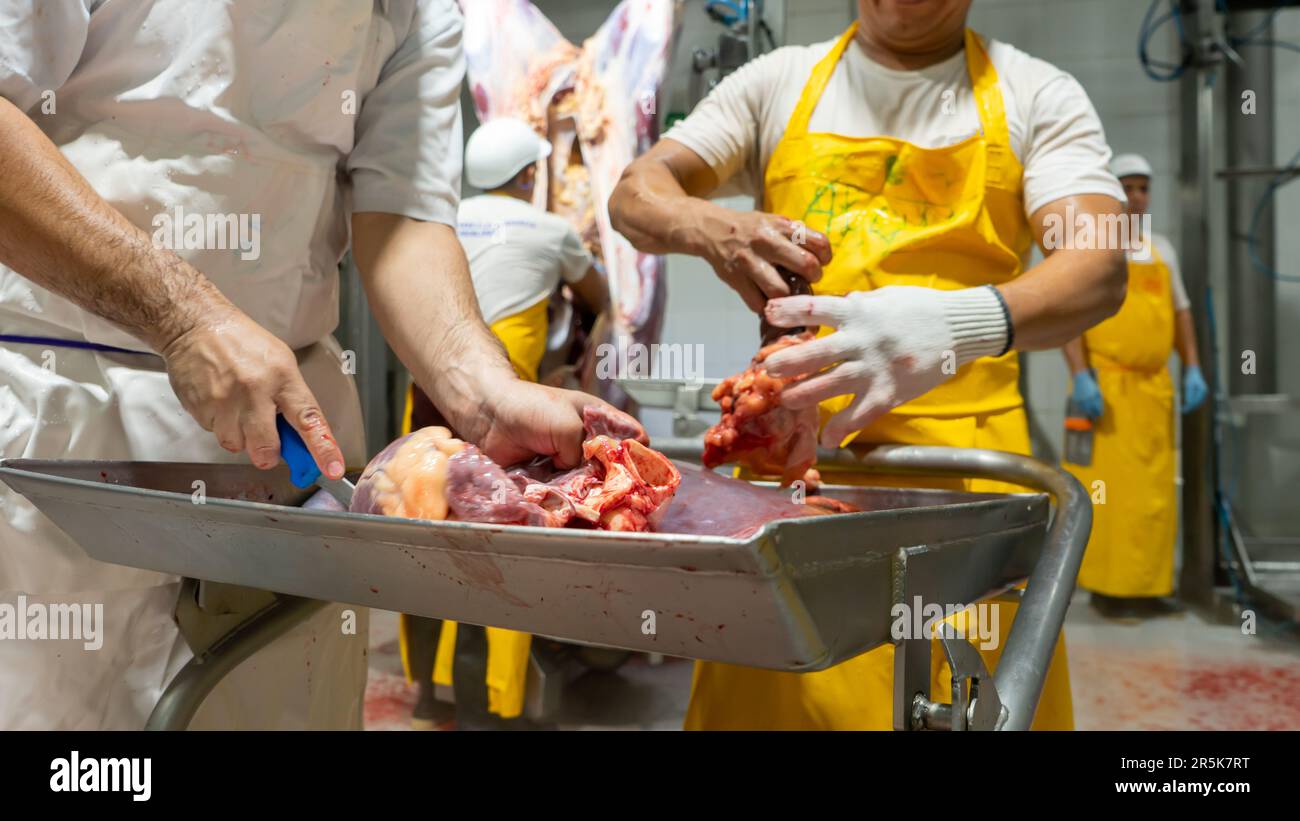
column 602, row 659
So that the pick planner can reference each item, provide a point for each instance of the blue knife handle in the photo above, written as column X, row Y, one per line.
column 302, row 465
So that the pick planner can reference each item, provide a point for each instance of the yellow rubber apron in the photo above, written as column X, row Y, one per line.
column 1131, row 478
column 898, row 214
column 524, row 337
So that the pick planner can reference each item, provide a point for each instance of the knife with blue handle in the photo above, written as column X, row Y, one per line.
column 303, row 471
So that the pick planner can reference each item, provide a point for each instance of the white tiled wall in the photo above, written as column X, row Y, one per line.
column 810, row 21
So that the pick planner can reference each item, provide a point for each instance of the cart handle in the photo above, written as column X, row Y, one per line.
column 1022, row 667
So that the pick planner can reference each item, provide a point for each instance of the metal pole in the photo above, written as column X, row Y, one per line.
column 186, row 692
column 1196, row 157
column 1252, row 320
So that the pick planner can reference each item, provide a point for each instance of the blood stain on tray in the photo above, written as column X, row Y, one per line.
column 484, row 573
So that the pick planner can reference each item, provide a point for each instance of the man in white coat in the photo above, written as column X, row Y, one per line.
column 177, row 186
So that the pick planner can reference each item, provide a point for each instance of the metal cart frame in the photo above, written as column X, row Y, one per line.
column 250, row 619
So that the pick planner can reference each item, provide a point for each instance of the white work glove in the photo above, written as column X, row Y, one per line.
column 891, row 345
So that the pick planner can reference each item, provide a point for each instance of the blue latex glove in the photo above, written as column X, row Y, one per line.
column 1194, row 388
column 1087, row 394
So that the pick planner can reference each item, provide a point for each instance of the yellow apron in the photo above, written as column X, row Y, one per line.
column 1131, row 550
column 898, row 214
column 524, row 337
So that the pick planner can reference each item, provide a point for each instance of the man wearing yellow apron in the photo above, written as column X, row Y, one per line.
column 518, row 255
column 1121, row 379
column 904, row 170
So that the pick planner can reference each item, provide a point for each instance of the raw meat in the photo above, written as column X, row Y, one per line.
column 755, row 430
column 711, row 505
column 705, row 504
column 598, row 106
column 623, row 485
column 429, row 474
column 409, row 477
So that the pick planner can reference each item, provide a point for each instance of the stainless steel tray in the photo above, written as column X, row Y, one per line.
column 799, row 594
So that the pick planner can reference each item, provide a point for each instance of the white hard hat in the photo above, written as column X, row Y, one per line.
column 1130, row 165
column 501, row 148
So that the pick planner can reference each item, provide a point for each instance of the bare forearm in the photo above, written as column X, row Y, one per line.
column 659, row 206
column 1072, row 289
column 1076, row 355
column 1063, row 296
column 418, row 283
column 652, row 209
column 1185, row 339
column 56, row 231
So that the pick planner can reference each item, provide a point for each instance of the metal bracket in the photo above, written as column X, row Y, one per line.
column 685, row 406
column 685, row 398
column 975, row 704
column 208, row 611
column 221, row 652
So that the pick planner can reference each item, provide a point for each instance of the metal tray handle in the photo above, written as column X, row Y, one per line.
column 1022, row 667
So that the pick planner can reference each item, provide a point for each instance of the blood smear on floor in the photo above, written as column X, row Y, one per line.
column 389, row 701
column 1180, row 690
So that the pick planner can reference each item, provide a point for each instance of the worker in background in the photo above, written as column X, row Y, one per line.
column 125, row 122
column 1122, row 381
column 904, row 169
column 518, row 256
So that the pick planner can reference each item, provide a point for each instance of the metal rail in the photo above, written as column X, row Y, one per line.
column 182, row 698
column 1021, row 671
column 1022, row 667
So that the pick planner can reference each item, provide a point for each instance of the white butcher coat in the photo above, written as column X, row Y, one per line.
column 297, row 111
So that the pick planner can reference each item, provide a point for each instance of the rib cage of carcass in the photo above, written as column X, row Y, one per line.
column 597, row 105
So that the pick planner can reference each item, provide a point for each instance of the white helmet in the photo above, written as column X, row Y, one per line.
column 501, row 148
column 1130, row 165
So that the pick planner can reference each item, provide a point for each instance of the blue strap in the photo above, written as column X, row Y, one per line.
column 79, row 344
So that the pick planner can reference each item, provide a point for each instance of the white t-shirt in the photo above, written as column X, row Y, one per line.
column 1055, row 132
column 517, row 253
column 282, row 117
column 1166, row 250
